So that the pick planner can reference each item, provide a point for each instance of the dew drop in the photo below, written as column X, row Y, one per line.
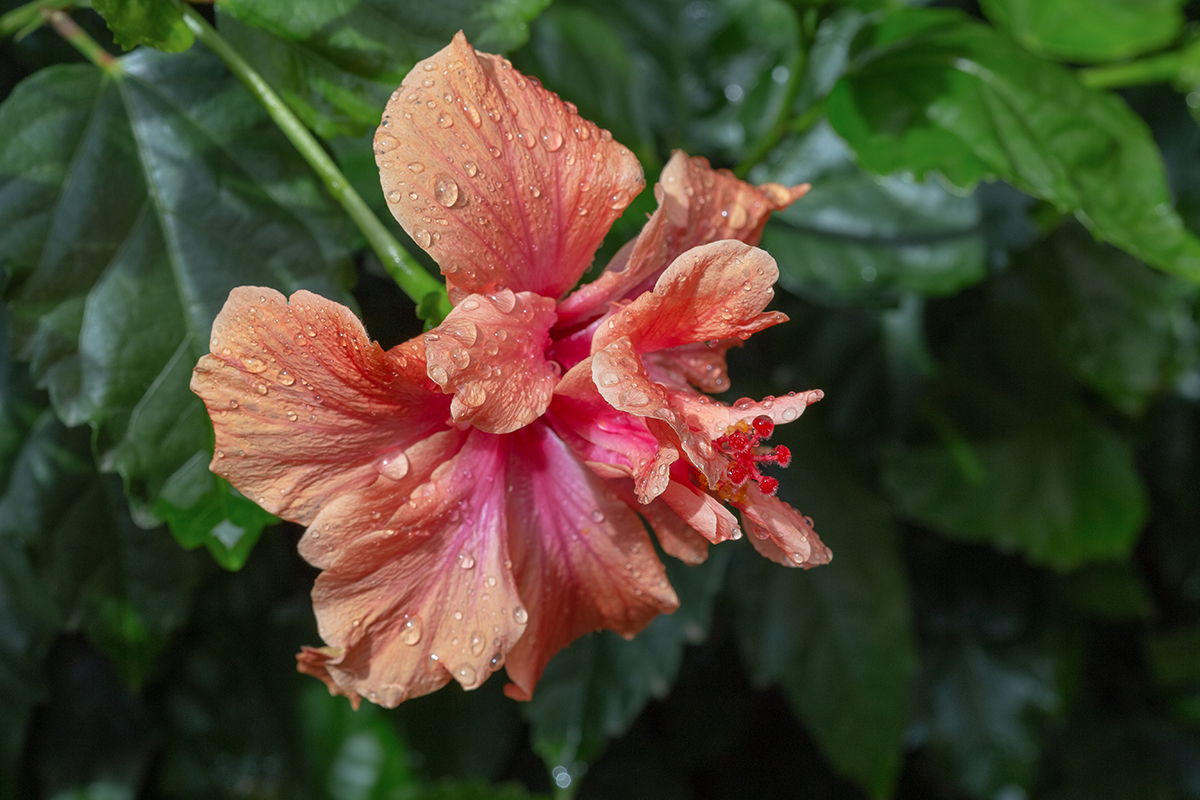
column 497, row 662
column 445, row 120
column 472, row 168
column 252, row 364
column 790, row 414
column 286, row 378
column 472, row 114
column 527, row 139
column 291, row 415
column 422, row 237
column 445, row 191
column 393, row 196
column 598, row 515
column 461, row 358
column 417, row 167
column 618, row 201
column 609, row 379
column 551, row 139
column 393, row 466
column 470, row 304
column 261, row 388
column 520, row 615
column 410, row 632
column 465, row 559
column 465, row 674
column 495, row 151
column 477, row 644
column 233, row 403
column 438, row 375
column 311, row 331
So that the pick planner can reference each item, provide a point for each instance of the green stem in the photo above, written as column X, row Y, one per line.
column 404, row 269
column 66, row 27
column 24, row 19
column 1155, row 69
column 783, row 123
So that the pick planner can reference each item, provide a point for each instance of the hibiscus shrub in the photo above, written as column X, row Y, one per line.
column 409, row 337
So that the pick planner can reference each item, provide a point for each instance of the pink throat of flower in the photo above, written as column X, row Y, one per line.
column 744, row 455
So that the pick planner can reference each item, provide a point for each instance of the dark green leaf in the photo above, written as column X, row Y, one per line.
column 1061, row 492
column 469, row 790
column 1126, row 330
column 595, row 688
column 129, row 207
column 855, row 236
column 1106, row 761
column 1091, row 31
column 157, row 23
column 127, row 588
column 719, row 85
column 357, row 753
column 1109, row 591
column 336, row 62
column 932, row 91
column 838, row 638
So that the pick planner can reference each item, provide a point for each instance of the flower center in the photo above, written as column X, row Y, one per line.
column 744, row 455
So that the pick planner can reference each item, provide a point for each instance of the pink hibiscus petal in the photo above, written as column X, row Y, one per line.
column 696, row 205
column 409, row 607
column 712, row 292
column 503, row 183
column 581, row 557
column 780, row 533
column 304, row 405
column 490, row 353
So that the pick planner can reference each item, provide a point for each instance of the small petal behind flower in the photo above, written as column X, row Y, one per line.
column 490, row 352
column 502, row 182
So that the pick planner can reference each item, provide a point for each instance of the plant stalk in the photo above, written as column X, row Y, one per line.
column 68, row 29
column 1162, row 68
column 409, row 275
column 23, row 20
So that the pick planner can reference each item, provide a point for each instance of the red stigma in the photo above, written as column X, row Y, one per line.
column 738, row 446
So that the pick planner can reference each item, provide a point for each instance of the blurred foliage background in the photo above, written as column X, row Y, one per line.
column 994, row 279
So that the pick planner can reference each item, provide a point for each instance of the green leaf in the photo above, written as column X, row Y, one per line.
column 1062, row 492
column 356, row 752
column 931, row 91
column 717, row 88
column 157, row 23
column 855, row 236
column 1091, row 31
column 1111, row 592
column 126, row 588
column 1107, row 761
column 1125, row 330
column 335, row 63
column 210, row 512
column 838, row 638
column 129, row 208
column 469, row 790
column 594, row 689
column 1013, row 459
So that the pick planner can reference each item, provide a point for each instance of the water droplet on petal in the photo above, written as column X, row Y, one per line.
column 497, row 662
column 520, row 615
column 598, row 515
column 461, row 358
column 527, row 138
column 393, row 465
column 438, row 375
column 253, row 364
column 445, row 191
column 417, row 166
column 465, row 559
column 286, row 378
column 291, row 415
column 472, row 168
column 495, row 151
column 472, row 113
column 445, row 120
column 551, row 139
column 233, row 403
column 477, row 644
column 790, row 414
column 422, row 237
column 410, row 632
column 609, row 378
column 465, row 674
column 737, row 216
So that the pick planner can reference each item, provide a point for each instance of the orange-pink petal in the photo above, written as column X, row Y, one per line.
column 582, row 559
column 780, row 533
column 712, row 292
column 490, row 353
column 409, row 607
column 304, row 405
column 697, row 205
column 502, row 182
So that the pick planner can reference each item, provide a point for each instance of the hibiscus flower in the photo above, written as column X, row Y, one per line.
column 473, row 495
